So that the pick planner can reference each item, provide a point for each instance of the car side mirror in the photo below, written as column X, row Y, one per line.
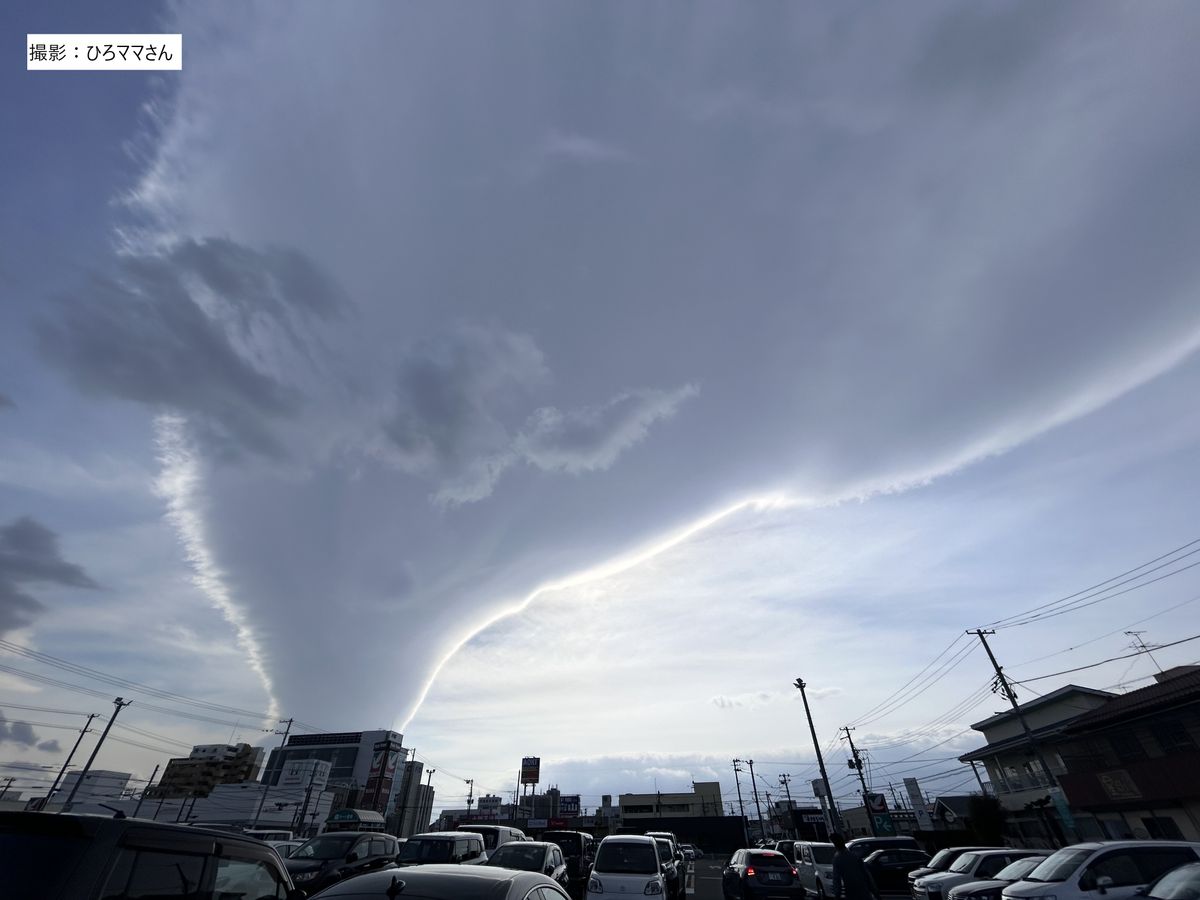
column 351, row 856
column 297, row 894
column 550, row 870
column 1103, row 883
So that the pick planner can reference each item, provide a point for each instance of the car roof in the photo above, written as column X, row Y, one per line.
column 527, row 844
column 465, row 882
column 444, row 834
column 628, row 839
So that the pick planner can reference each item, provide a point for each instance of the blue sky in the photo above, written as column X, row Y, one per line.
column 567, row 380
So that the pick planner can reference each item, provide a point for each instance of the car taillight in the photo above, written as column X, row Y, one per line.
column 795, row 874
column 750, row 871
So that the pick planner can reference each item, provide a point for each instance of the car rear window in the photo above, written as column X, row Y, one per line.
column 620, row 858
column 571, row 844
column 36, row 864
column 769, row 861
column 426, row 850
column 822, row 856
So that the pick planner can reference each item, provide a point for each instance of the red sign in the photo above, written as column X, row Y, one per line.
column 557, row 823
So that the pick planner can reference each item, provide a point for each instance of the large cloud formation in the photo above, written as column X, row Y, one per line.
column 30, row 555
column 566, row 278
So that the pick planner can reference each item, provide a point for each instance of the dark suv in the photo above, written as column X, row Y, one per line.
column 85, row 857
column 330, row 857
column 579, row 848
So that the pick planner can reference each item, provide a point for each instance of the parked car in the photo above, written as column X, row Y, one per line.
column 1113, row 869
column 270, row 835
column 696, row 852
column 814, row 862
column 990, row 889
column 676, row 851
column 672, row 869
column 285, row 848
column 1182, row 883
column 440, row 882
column 464, row 848
column 330, row 857
column 787, row 848
column 890, row 868
column 495, row 835
column 87, row 857
column 760, row 875
column 578, row 849
column 974, row 866
column 532, row 856
column 864, row 847
column 626, row 864
column 942, row 861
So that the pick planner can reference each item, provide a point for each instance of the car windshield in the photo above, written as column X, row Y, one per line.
column 823, row 856
column 626, row 858
column 1061, row 865
column 327, row 846
column 1017, row 870
column 942, row 859
column 518, row 856
column 965, row 863
column 1181, row 884
column 425, row 850
column 571, row 844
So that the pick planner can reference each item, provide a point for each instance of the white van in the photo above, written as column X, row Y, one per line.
column 814, row 863
column 495, row 835
column 626, row 864
column 1114, row 870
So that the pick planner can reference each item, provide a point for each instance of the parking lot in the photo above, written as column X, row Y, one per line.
column 704, row 879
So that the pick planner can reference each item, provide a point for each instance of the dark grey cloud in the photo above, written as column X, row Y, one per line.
column 50, row 746
column 17, row 732
column 30, row 555
column 192, row 330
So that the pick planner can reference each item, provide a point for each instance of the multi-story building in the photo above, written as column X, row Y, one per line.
column 1133, row 764
column 1038, row 815
column 207, row 766
column 410, row 814
column 364, row 764
column 703, row 800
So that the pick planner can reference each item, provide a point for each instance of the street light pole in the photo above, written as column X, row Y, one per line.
column 833, row 815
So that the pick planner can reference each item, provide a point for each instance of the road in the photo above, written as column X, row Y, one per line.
column 704, row 880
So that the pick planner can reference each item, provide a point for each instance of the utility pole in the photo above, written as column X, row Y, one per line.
column 470, row 795
column 741, row 805
column 149, row 784
column 312, row 777
column 857, row 764
column 266, row 775
column 895, row 796
column 786, row 781
column 118, row 704
column 63, row 770
column 833, row 815
column 1141, row 645
column 754, row 787
column 1006, row 688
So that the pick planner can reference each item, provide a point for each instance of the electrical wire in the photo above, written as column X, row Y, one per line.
column 1110, row 659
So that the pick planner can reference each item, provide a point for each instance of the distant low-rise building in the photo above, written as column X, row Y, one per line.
column 96, row 785
column 703, row 800
column 207, row 766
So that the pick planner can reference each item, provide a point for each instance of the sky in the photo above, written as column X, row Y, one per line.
column 567, row 379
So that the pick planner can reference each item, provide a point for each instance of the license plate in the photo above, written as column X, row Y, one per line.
column 774, row 876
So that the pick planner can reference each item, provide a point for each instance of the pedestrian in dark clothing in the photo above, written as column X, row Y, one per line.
column 851, row 877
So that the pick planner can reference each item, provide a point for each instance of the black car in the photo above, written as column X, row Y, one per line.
column 890, row 868
column 86, row 857
column 672, row 874
column 532, row 856
column 579, row 849
column 760, row 875
column 451, row 882
column 941, row 862
column 330, row 857
column 864, row 847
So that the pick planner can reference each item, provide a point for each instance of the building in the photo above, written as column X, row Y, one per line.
column 413, row 806
column 364, row 764
column 703, row 800
column 98, row 784
column 1038, row 815
column 205, row 767
column 1133, row 763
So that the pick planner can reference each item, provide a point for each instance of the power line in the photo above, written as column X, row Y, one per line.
column 904, row 686
column 1110, row 659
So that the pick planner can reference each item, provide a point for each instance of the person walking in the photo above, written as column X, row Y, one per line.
column 851, row 878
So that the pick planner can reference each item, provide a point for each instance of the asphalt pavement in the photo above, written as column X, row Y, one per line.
column 704, row 880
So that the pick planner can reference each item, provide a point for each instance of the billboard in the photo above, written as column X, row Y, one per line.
column 531, row 767
column 568, row 805
column 924, row 820
column 380, row 777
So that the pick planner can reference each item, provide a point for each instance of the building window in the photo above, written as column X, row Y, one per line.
column 638, row 809
column 1127, row 746
column 1172, row 736
column 1162, row 828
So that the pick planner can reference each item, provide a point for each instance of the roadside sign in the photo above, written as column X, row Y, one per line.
column 884, row 826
